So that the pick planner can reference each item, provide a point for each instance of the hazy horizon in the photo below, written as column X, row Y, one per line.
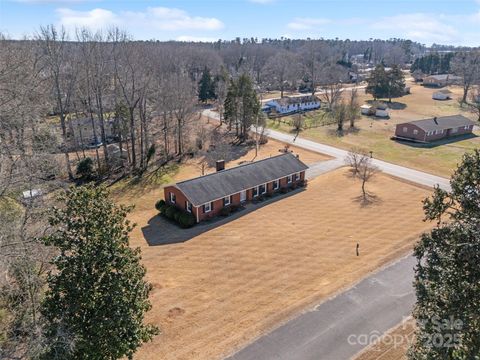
column 427, row 22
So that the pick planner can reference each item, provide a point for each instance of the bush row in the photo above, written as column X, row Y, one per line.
column 183, row 218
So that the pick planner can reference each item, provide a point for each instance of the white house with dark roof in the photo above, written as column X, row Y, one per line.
column 293, row 104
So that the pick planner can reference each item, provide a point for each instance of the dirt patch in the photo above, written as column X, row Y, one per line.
column 393, row 345
column 239, row 280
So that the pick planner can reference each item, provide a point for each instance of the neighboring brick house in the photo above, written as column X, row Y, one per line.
column 441, row 80
column 206, row 195
column 429, row 130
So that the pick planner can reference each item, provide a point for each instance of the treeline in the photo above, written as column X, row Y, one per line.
column 435, row 63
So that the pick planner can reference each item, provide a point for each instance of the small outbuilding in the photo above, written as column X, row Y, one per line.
column 382, row 111
column 437, row 128
column 442, row 95
column 366, row 109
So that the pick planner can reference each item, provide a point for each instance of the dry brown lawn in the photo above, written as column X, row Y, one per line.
column 392, row 346
column 221, row 289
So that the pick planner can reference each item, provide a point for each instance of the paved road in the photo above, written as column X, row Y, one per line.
column 416, row 176
column 373, row 306
column 376, row 304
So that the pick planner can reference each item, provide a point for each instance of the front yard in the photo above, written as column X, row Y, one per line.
column 222, row 288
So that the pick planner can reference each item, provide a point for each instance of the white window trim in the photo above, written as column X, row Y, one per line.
column 297, row 176
column 276, row 184
column 289, row 179
column 225, row 200
column 405, row 129
column 257, row 190
column 265, row 188
column 188, row 206
column 415, row 132
column 209, row 207
column 173, row 199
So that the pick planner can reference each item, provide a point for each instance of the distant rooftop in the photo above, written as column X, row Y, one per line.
column 292, row 100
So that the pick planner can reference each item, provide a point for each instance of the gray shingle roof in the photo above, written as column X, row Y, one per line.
column 292, row 100
column 442, row 123
column 442, row 77
column 231, row 181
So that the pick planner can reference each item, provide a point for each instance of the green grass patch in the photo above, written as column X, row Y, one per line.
column 157, row 177
column 441, row 160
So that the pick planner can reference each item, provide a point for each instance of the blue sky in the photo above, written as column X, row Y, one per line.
column 454, row 22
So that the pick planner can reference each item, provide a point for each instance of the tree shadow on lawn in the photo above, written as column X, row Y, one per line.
column 437, row 142
column 161, row 231
column 347, row 131
column 394, row 105
column 369, row 199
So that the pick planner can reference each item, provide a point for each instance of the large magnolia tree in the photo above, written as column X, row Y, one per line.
column 97, row 296
column 447, row 279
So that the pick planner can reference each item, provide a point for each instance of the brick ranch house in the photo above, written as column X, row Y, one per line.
column 429, row 130
column 206, row 195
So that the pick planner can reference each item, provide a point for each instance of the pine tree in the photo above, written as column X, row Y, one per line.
column 447, row 277
column 386, row 84
column 377, row 83
column 97, row 296
column 396, row 82
column 242, row 107
column 206, row 87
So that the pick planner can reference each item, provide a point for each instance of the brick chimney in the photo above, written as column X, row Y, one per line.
column 220, row 165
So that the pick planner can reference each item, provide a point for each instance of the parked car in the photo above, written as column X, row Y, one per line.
column 94, row 145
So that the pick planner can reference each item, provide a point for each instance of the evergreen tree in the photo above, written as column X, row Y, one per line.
column 377, row 83
column 396, row 82
column 447, row 279
column 206, row 87
column 97, row 296
column 386, row 84
column 242, row 107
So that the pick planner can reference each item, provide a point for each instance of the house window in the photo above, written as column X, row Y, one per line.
column 255, row 191
column 405, row 129
column 415, row 132
column 173, row 198
column 276, row 184
column 466, row 127
column 439, row 132
column 188, row 206
column 289, row 179
column 207, row 207
column 226, row 201
column 263, row 188
column 297, row 176
column 454, row 130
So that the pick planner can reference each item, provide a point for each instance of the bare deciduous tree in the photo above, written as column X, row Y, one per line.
column 361, row 168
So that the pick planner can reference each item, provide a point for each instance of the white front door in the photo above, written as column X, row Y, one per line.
column 243, row 196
